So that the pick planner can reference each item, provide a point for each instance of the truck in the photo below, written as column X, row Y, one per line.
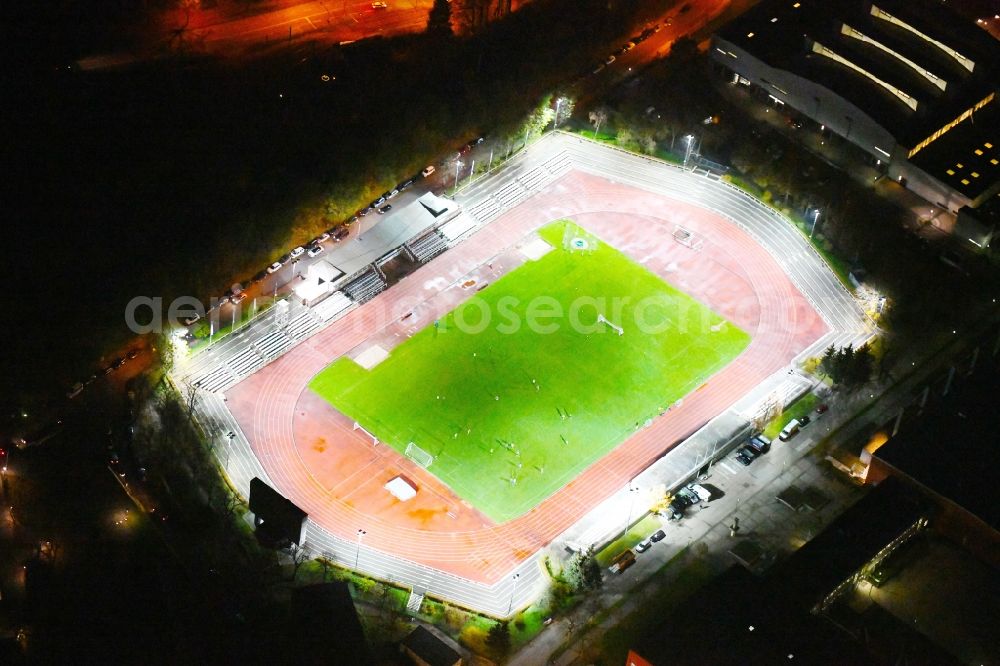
column 622, row 561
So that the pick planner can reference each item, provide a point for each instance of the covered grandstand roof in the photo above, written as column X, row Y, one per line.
column 914, row 67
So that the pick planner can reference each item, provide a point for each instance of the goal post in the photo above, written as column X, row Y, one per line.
column 358, row 426
column 418, row 455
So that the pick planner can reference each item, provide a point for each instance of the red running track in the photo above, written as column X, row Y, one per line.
column 335, row 474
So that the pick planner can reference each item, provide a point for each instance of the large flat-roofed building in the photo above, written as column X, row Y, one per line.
column 909, row 82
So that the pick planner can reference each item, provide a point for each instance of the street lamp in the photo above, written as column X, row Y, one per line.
column 513, row 589
column 689, row 140
column 813, row 228
column 559, row 103
column 357, row 555
column 458, row 165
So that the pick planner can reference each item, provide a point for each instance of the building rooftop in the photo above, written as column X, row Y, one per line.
column 852, row 540
column 326, row 625
column 967, row 157
column 941, row 449
column 740, row 618
column 915, row 68
column 431, row 649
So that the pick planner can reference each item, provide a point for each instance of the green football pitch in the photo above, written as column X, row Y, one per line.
column 512, row 412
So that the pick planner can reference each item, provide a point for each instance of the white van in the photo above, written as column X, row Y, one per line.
column 790, row 430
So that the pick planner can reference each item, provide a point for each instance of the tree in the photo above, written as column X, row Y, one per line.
column 540, row 117
column 583, row 572
column 647, row 141
column 625, row 138
column 589, row 571
column 299, row 557
column 597, row 118
column 439, row 19
column 472, row 15
column 848, row 367
column 828, row 361
column 498, row 639
column 191, row 392
column 564, row 109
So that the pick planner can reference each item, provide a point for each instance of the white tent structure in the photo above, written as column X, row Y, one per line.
column 318, row 283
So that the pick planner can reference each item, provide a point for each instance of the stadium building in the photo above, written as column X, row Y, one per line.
column 911, row 84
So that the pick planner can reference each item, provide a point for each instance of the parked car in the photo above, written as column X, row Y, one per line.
column 75, row 391
column 364, row 211
column 236, row 299
column 132, row 353
column 760, row 444
column 822, row 408
column 703, row 493
column 746, row 455
column 258, row 276
column 116, row 465
column 274, row 268
column 629, row 46
column 117, row 363
column 315, row 251
column 804, row 421
column 297, row 252
column 405, row 184
column 428, row 170
column 790, row 430
column 643, row 546
column 354, row 218
column 672, row 513
column 378, row 202
column 658, row 535
column 322, row 238
column 340, row 233
column 378, row 4
column 683, row 498
column 611, row 59
column 385, row 209
column 598, row 69
column 622, row 562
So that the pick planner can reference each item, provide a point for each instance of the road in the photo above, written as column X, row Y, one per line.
column 699, row 19
column 232, row 26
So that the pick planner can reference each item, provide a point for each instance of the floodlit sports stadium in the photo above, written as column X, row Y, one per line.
column 582, row 319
